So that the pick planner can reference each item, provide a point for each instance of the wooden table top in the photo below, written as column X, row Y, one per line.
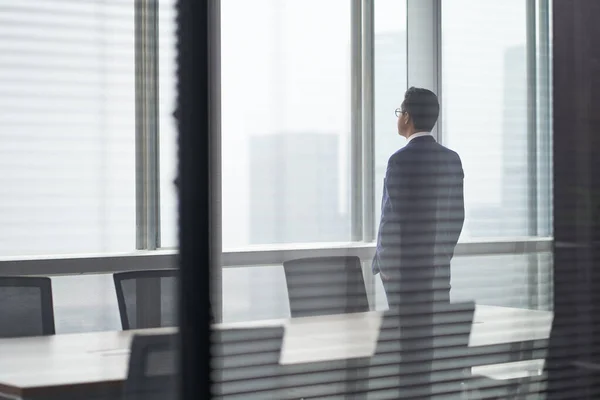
column 33, row 366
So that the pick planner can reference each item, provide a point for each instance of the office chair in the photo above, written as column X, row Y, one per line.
column 429, row 359
column 325, row 286
column 153, row 368
column 147, row 299
column 26, row 307
column 245, row 363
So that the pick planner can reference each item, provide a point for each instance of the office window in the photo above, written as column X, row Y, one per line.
column 485, row 113
column 254, row 293
column 285, row 121
column 390, row 85
column 505, row 280
column 67, row 127
column 167, row 94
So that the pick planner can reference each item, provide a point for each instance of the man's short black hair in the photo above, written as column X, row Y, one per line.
column 423, row 107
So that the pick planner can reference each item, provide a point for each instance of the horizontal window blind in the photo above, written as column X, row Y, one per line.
column 67, row 126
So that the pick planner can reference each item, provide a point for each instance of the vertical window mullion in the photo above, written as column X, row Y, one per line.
column 356, row 138
column 543, row 148
column 532, row 110
column 368, row 132
column 544, row 120
column 216, row 187
column 146, row 106
column 424, row 48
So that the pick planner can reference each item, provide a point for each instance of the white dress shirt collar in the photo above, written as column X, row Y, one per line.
column 416, row 135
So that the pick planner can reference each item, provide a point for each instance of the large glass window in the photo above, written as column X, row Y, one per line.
column 67, row 127
column 285, row 121
column 485, row 113
column 390, row 85
column 508, row 280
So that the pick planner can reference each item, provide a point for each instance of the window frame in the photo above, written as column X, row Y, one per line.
column 247, row 257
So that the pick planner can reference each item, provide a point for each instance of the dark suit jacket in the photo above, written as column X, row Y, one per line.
column 422, row 215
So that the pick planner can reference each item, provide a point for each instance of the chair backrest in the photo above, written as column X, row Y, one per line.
column 245, row 362
column 26, row 307
column 153, row 367
column 147, row 299
column 325, row 286
column 429, row 340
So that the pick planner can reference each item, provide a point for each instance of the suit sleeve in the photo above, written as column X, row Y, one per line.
column 393, row 213
column 461, row 197
column 398, row 185
column 457, row 208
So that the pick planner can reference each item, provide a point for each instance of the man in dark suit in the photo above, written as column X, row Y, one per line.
column 422, row 215
column 422, row 211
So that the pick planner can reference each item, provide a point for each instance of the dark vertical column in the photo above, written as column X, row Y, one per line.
column 574, row 342
column 193, row 48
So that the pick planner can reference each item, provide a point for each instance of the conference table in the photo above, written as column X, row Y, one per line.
column 95, row 364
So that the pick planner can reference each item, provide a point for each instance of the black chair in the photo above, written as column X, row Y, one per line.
column 245, row 363
column 153, row 367
column 147, row 299
column 325, row 286
column 26, row 307
column 429, row 359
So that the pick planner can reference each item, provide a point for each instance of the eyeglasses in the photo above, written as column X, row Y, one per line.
column 399, row 112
